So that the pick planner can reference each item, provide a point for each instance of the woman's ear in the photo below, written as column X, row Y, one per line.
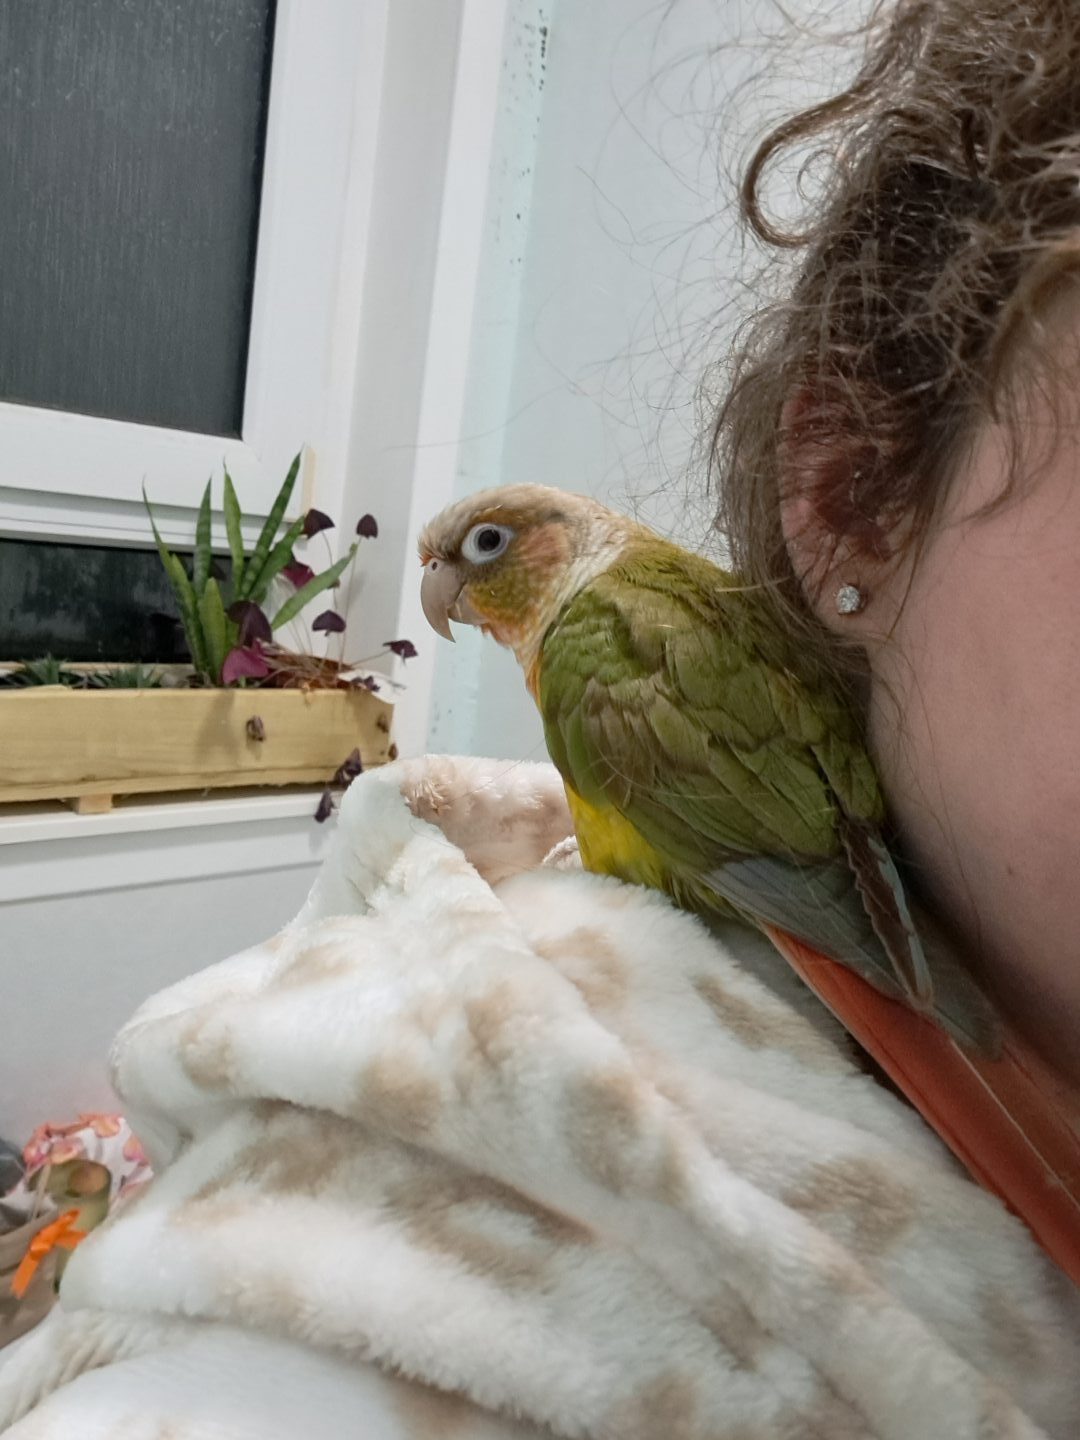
column 839, row 553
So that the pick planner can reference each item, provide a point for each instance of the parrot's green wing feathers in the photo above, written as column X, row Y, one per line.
column 657, row 699
column 664, row 697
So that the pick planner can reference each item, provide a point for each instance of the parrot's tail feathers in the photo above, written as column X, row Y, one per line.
column 878, row 882
column 825, row 907
column 1005, row 1116
column 959, row 1002
column 819, row 903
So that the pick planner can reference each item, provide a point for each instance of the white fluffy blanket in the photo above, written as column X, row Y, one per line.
column 537, row 1139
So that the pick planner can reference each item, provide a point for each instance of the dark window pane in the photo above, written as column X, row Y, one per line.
column 88, row 602
column 131, row 144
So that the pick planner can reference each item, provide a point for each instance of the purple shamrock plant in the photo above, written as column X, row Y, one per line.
column 315, row 521
column 344, row 775
column 330, row 622
column 297, row 573
column 244, row 662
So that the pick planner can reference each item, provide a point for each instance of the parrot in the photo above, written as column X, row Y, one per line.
column 705, row 755
column 701, row 755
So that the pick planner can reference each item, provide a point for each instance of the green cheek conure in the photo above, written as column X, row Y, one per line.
column 701, row 755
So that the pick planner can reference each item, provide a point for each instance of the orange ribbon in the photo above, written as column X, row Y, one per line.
column 60, row 1233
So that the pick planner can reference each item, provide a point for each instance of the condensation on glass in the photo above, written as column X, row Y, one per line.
column 131, row 153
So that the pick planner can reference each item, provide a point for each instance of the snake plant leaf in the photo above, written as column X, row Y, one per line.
column 278, row 560
column 269, row 530
column 189, row 611
column 234, row 530
column 215, row 629
column 306, row 593
column 185, row 594
column 201, row 564
column 162, row 551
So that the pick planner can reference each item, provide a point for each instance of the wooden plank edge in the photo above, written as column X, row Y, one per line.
column 165, row 784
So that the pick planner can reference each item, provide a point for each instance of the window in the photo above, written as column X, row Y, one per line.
column 131, row 150
column 86, row 602
column 175, row 192
column 376, row 134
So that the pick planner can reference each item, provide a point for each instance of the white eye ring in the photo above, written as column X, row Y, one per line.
column 486, row 542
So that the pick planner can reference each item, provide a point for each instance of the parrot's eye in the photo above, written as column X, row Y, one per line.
column 486, row 542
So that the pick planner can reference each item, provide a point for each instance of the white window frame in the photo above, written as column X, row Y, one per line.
column 64, row 475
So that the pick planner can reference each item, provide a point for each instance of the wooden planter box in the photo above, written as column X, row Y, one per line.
column 87, row 746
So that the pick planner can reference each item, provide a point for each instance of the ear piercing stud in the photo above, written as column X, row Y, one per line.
column 849, row 600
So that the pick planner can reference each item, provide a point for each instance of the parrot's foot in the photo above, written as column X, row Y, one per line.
column 564, row 856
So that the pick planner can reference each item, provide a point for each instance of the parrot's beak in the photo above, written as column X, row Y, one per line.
column 441, row 598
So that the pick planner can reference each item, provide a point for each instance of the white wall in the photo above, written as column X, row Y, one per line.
column 615, row 275
column 98, row 912
column 77, row 966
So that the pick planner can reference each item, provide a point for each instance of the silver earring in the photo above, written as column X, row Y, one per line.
column 849, row 600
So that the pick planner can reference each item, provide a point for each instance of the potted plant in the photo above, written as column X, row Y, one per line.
column 248, row 711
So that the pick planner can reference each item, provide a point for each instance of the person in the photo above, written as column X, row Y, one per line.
column 484, row 1146
column 906, row 422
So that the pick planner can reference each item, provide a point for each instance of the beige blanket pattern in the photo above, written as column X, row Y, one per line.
column 538, row 1139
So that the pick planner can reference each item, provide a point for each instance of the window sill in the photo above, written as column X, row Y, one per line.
column 45, row 820
column 47, row 850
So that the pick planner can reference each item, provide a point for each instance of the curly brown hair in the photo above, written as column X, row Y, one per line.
column 949, row 214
